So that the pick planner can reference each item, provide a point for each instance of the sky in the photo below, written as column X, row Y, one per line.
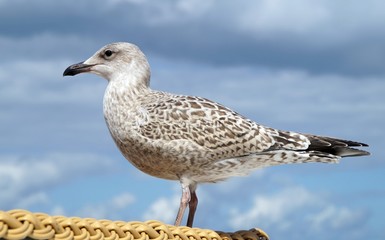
column 308, row 66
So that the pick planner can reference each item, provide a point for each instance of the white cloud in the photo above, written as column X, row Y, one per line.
column 113, row 208
column 332, row 217
column 298, row 16
column 168, row 12
column 163, row 209
column 40, row 82
column 44, row 46
column 319, row 35
column 122, row 201
column 295, row 207
column 25, row 181
column 57, row 211
column 274, row 210
column 33, row 199
column 113, row 2
column 315, row 21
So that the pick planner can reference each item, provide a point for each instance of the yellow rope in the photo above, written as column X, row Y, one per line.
column 21, row 224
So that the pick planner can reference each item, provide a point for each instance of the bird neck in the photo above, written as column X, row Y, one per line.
column 127, row 88
column 121, row 101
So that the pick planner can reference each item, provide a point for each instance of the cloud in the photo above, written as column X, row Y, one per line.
column 123, row 200
column 45, row 47
column 40, row 82
column 33, row 199
column 41, row 109
column 163, row 209
column 274, row 210
column 309, row 213
column 277, row 209
column 298, row 17
column 321, row 37
column 113, row 208
column 336, row 218
column 26, row 181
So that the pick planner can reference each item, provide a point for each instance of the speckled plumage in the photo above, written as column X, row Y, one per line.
column 192, row 139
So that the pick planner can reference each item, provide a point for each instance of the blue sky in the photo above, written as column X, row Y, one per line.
column 315, row 67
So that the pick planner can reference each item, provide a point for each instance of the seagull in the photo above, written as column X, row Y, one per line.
column 192, row 139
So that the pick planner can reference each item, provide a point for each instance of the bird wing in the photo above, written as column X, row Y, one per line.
column 225, row 133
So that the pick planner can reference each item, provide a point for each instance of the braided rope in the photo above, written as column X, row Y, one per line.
column 22, row 224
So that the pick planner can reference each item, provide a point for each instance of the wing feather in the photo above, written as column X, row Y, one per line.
column 227, row 134
column 224, row 132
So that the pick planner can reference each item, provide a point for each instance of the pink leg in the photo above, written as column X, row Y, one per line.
column 192, row 208
column 183, row 204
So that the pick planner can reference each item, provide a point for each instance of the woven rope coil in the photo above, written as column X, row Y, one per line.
column 22, row 224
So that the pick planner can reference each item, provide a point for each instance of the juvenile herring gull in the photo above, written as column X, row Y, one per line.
column 192, row 139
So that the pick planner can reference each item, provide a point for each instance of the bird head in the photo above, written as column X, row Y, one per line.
column 116, row 61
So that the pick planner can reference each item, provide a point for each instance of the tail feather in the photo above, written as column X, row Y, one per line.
column 334, row 146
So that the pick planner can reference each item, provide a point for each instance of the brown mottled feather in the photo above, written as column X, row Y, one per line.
column 221, row 131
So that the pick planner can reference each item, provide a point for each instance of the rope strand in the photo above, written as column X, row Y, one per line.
column 21, row 224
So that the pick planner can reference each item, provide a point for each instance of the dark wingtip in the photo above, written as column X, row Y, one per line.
column 335, row 146
column 350, row 152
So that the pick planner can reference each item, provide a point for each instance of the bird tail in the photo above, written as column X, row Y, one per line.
column 334, row 146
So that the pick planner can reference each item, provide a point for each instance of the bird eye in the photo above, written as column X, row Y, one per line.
column 108, row 53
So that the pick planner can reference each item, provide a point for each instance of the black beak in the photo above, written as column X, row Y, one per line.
column 77, row 68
